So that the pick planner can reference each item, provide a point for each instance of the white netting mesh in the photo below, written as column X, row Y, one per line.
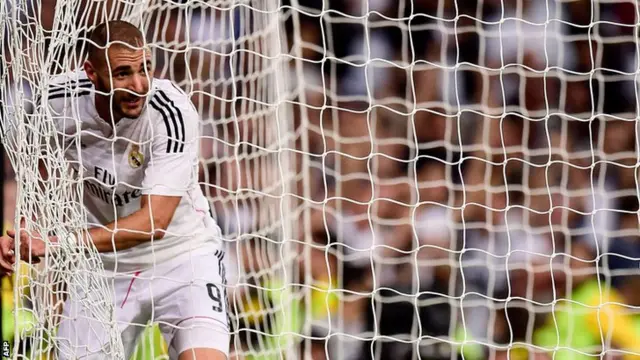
column 226, row 56
column 460, row 175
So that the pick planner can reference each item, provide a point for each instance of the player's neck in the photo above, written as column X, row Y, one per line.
column 104, row 110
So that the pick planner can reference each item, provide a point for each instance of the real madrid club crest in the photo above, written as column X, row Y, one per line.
column 136, row 158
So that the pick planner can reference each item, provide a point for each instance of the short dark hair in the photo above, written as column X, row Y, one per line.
column 108, row 32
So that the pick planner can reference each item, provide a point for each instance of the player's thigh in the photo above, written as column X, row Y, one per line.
column 83, row 334
column 199, row 337
column 202, row 354
column 193, row 311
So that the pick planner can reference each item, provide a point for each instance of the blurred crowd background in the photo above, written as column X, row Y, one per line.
column 470, row 171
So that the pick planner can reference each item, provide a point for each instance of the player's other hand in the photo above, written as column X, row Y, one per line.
column 7, row 254
column 32, row 245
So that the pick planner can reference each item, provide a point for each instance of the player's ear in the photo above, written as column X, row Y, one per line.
column 91, row 71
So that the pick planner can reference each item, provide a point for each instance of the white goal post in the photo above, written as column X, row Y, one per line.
column 395, row 179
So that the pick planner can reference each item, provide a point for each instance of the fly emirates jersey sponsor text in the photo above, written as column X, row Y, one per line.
column 155, row 154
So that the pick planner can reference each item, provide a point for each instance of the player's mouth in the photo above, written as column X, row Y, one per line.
column 133, row 102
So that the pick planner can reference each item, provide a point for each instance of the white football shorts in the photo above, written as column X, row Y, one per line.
column 186, row 296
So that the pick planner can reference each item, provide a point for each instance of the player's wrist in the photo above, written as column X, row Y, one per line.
column 70, row 240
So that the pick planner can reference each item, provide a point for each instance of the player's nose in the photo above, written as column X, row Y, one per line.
column 140, row 84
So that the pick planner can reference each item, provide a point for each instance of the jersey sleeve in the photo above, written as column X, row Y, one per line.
column 173, row 163
column 62, row 93
column 11, row 125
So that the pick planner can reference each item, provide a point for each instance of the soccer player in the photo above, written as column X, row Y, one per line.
column 135, row 138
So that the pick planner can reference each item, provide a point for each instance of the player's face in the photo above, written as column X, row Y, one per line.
column 129, row 73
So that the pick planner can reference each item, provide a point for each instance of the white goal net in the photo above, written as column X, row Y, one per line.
column 395, row 179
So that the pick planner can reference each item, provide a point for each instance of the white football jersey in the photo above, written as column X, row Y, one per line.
column 155, row 154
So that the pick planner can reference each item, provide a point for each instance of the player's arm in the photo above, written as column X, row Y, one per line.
column 150, row 222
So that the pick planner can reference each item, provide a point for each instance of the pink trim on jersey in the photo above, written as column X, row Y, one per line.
column 135, row 275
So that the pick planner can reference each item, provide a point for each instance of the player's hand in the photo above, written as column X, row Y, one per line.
column 32, row 245
column 7, row 254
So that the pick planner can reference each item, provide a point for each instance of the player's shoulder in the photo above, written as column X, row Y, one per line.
column 69, row 77
column 173, row 112
column 165, row 91
column 169, row 102
column 69, row 81
column 72, row 84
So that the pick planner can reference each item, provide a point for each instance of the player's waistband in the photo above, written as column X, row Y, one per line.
column 138, row 259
